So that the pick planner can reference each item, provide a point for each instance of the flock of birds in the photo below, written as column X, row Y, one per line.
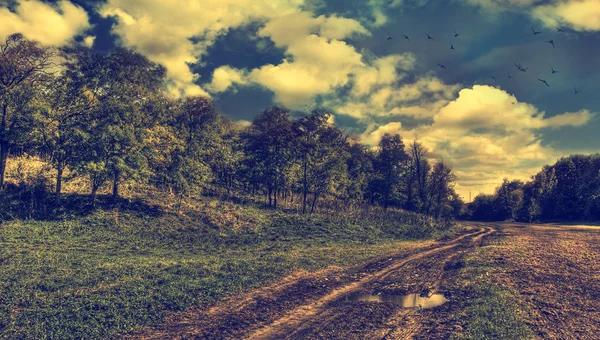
column 517, row 65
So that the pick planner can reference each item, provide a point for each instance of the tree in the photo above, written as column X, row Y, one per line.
column 360, row 169
column 322, row 153
column 65, row 107
column 389, row 164
column 417, row 177
column 510, row 198
column 129, row 90
column 484, row 208
column 24, row 65
column 269, row 149
column 441, row 192
column 190, row 125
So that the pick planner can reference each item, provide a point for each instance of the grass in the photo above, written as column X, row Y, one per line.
column 109, row 272
column 493, row 312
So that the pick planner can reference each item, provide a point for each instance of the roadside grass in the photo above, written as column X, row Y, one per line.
column 493, row 311
column 109, row 272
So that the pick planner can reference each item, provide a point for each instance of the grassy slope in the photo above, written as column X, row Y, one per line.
column 109, row 272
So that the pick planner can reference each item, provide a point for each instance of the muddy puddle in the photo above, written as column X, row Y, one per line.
column 406, row 301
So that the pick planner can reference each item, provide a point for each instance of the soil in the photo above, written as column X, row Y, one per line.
column 554, row 271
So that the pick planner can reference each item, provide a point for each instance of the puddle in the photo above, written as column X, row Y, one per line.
column 406, row 301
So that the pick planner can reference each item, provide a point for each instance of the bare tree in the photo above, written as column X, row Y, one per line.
column 419, row 171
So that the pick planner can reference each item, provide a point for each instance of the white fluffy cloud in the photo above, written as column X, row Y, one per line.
column 317, row 61
column 486, row 130
column 224, row 77
column 581, row 15
column 49, row 24
column 164, row 30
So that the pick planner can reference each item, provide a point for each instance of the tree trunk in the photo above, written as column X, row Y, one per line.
column 4, row 148
column 179, row 204
column 115, row 192
column 275, row 198
column 270, row 190
column 305, row 189
column 59, row 173
column 94, row 194
column 314, row 203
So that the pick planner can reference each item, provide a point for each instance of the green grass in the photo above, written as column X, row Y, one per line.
column 107, row 273
column 493, row 312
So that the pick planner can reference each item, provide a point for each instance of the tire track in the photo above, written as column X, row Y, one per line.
column 296, row 323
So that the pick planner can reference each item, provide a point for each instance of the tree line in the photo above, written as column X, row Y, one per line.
column 108, row 117
column 567, row 190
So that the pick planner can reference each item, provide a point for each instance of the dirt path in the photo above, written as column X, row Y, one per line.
column 307, row 305
column 554, row 270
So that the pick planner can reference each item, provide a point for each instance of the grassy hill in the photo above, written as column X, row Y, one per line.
column 90, row 273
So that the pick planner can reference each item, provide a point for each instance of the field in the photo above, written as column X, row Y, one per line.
column 226, row 270
column 502, row 281
column 109, row 272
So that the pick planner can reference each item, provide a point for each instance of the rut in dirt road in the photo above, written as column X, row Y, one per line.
column 328, row 316
column 313, row 305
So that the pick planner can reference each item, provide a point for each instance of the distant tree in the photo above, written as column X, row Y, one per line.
column 417, row 177
column 192, row 121
column 484, row 208
column 510, row 199
column 441, row 191
column 226, row 151
column 360, row 169
column 389, row 165
column 24, row 65
column 322, row 153
column 270, row 150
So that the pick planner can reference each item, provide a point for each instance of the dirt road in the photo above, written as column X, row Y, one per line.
column 554, row 271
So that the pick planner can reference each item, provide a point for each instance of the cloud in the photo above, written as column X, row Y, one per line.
column 374, row 133
column 578, row 118
column 317, row 61
column 89, row 40
column 224, row 77
column 383, row 71
column 393, row 96
column 486, row 130
column 175, row 33
column 378, row 9
column 49, row 24
column 580, row 15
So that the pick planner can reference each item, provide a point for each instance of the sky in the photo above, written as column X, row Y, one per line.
column 479, row 112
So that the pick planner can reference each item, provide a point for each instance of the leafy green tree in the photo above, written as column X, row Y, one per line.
column 64, row 110
column 190, row 125
column 484, row 208
column 389, row 166
column 510, row 198
column 24, row 65
column 322, row 153
column 441, row 191
column 269, row 145
column 129, row 91
column 360, row 169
